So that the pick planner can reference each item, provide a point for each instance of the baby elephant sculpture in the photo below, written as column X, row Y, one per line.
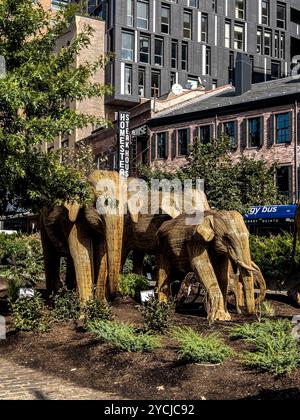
column 209, row 249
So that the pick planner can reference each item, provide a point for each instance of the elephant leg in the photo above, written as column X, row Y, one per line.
column 163, row 271
column 102, row 288
column 138, row 259
column 81, row 249
column 70, row 275
column 51, row 263
column 216, row 310
column 222, row 271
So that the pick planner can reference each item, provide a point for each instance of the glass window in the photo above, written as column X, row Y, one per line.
column 184, row 56
column 208, row 60
column 142, row 14
column 282, row 128
column 227, row 35
column 275, row 70
column 155, row 84
column 165, row 19
column 240, row 9
column 205, row 134
column 129, row 12
column 162, row 145
column 281, row 15
column 187, row 25
column 159, row 52
column 284, row 180
column 204, row 28
column 238, row 37
column 128, row 80
column 174, row 55
column 265, row 12
column 229, row 130
column 254, row 132
column 183, row 141
column 127, row 46
column 142, row 82
column 144, row 49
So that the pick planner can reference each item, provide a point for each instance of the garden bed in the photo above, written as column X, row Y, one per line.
column 70, row 353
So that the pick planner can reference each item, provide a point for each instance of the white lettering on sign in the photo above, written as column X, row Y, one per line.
column 124, row 144
column 265, row 209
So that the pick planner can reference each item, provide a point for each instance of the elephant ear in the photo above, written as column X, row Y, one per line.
column 73, row 210
column 206, row 229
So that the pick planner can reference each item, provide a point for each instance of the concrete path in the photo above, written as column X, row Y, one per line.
column 21, row 383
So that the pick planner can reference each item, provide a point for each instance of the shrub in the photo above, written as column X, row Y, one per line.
column 21, row 262
column 66, row 306
column 157, row 314
column 198, row 348
column 267, row 310
column 275, row 350
column 274, row 255
column 132, row 284
column 94, row 309
column 30, row 314
column 256, row 329
column 123, row 337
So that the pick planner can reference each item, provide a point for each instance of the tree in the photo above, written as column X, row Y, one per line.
column 33, row 103
column 229, row 184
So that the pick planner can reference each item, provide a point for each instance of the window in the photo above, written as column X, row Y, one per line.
column 187, row 25
column 229, row 130
column 183, row 141
column 165, row 19
column 284, row 180
column 265, row 12
column 159, row 51
column 193, row 3
column 231, row 71
column 208, row 61
column 282, row 128
column 127, row 46
column 239, row 37
column 259, row 41
column 275, row 70
column 227, row 35
column 282, row 46
column 192, row 83
column 184, row 56
column 281, row 15
column 205, row 134
column 172, row 80
column 142, row 14
column 161, row 140
column 129, row 12
column 254, row 132
column 240, row 9
column 142, row 82
column 267, row 43
column 128, row 80
column 204, row 28
column 214, row 5
column 174, row 54
column 144, row 49
column 155, row 84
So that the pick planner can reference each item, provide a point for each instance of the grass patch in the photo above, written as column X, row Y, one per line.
column 198, row 348
column 123, row 337
column 275, row 350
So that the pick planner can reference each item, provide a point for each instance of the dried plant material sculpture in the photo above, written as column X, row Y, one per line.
column 207, row 249
column 141, row 229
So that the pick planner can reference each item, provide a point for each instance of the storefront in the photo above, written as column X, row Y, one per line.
column 271, row 220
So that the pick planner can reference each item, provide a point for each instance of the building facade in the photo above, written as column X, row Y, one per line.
column 263, row 123
column 161, row 42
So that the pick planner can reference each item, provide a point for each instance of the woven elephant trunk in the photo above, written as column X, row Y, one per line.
column 114, row 235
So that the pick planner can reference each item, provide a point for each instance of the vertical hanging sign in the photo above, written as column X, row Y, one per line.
column 124, row 143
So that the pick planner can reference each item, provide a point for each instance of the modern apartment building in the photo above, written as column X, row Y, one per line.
column 161, row 42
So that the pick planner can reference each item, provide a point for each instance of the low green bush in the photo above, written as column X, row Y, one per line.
column 267, row 310
column 274, row 349
column 21, row 262
column 123, row 337
column 94, row 309
column 274, row 255
column 131, row 285
column 198, row 348
column 30, row 314
column 65, row 305
column 156, row 315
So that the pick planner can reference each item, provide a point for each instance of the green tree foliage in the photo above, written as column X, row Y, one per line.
column 229, row 184
column 34, row 98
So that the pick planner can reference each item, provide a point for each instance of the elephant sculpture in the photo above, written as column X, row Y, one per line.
column 209, row 249
column 141, row 228
column 91, row 238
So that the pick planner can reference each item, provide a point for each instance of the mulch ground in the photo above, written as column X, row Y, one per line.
column 69, row 353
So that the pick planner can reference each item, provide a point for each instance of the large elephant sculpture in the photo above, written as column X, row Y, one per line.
column 91, row 236
column 209, row 249
column 141, row 228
